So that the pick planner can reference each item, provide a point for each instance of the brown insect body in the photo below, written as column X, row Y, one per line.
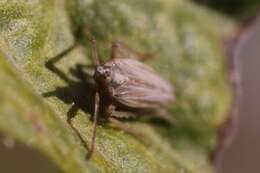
column 133, row 84
column 125, row 82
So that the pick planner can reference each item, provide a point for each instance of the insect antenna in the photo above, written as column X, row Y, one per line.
column 94, row 54
column 95, row 121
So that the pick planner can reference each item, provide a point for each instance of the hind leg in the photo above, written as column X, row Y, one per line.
column 163, row 114
column 121, row 50
column 115, row 123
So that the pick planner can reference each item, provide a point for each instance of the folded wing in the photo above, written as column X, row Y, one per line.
column 140, row 86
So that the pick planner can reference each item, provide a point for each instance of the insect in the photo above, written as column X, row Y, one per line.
column 127, row 88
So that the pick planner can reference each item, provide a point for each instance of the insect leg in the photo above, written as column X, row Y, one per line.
column 93, row 42
column 95, row 121
column 127, row 128
column 121, row 50
column 123, row 115
column 112, row 112
column 162, row 114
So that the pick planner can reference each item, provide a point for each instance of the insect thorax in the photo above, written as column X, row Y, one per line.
column 108, row 76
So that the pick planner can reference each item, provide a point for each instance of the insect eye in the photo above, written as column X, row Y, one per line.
column 107, row 72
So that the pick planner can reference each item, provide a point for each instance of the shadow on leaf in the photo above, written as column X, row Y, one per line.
column 79, row 90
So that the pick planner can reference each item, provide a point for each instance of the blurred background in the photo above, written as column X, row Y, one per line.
column 240, row 9
column 242, row 155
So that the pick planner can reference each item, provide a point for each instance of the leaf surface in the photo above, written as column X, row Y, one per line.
column 45, row 77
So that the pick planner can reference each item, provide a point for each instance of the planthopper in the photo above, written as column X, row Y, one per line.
column 127, row 88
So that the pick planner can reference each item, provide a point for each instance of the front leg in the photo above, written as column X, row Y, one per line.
column 95, row 121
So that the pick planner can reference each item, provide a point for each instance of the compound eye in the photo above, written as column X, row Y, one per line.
column 107, row 72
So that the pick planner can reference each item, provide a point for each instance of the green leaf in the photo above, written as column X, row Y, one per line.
column 38, row 96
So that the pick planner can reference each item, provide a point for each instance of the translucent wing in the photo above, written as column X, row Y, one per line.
column 137, row 85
